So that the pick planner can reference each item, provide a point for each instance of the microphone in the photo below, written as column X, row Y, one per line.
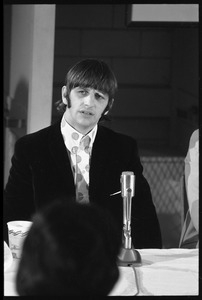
column 127, row 192
column 127, row 183
column 128, row 255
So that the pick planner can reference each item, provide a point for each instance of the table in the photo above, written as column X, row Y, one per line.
column 163, row 272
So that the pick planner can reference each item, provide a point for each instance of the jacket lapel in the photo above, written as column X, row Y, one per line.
column 60, row 156
column 99, row 160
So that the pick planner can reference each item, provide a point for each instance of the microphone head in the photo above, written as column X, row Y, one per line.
column 127, row 183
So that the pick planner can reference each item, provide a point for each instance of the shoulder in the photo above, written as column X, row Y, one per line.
column 193, row 150
column 194, row 141
column 117, row 142
column 194, row 138
column 39, row 137
column 116, row 136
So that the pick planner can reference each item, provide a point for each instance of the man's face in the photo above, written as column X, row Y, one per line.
column 87, row 106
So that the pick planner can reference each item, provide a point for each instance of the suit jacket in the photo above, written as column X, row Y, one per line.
column 41, row 172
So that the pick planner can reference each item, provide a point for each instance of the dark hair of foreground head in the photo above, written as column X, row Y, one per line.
column 71, row 249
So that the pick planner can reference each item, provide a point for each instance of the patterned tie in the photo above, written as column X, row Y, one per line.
column 82, row 168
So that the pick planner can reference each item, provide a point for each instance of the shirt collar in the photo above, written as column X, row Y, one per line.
column 67, row 131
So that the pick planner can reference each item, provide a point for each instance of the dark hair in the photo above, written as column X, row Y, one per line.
column 91, row 73
column 71, row 249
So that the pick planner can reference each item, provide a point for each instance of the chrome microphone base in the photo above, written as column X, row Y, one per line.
column 129, row 257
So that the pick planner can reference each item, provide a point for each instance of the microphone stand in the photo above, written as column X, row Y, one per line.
column 128, row 255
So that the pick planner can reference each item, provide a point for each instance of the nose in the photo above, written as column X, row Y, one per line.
column 89, row 99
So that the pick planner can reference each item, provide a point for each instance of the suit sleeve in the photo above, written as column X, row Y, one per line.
column 145, row 228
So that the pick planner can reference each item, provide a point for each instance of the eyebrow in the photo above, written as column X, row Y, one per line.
column 91, row 88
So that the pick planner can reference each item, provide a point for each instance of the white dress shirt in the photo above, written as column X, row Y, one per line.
column 79, row 157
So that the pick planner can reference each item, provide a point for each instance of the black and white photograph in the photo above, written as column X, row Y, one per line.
column 101, row 130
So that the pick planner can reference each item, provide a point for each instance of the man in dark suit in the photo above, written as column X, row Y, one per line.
column 54, row 163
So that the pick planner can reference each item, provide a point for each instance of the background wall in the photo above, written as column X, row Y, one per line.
column 185, row 84
column 28, row 49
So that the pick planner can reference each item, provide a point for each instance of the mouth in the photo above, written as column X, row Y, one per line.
column 86, row 113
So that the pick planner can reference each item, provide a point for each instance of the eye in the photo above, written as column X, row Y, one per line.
column 82, row 92
column 99, row 96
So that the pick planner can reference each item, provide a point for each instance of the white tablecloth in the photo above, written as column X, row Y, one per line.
column 163, row 272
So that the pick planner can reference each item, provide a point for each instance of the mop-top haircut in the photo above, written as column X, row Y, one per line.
column 90, row 73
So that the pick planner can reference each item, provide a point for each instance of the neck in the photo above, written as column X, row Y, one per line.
column 81, row 130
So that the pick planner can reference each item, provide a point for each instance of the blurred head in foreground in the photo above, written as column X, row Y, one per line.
column 71, row 249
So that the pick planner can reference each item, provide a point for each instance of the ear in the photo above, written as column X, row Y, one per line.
column 109, row 107
column 64, row 95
